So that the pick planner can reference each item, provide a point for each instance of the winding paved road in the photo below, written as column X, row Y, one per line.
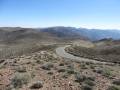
column 61, row 52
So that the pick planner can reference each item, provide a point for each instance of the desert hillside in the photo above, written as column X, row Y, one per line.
column 107, row 50
column 16, row 41
column 29, row 60
column 46, row 70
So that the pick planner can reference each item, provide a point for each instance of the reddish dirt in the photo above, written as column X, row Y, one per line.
column 5, row 76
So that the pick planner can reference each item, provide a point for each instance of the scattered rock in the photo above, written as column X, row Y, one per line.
column 1, row 61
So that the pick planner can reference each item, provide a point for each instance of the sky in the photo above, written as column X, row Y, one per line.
column 100, row 14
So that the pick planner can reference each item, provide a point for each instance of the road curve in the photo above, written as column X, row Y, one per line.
column 61, row 52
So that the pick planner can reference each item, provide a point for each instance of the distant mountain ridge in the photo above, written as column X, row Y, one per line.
column 56, row 34
column 92, row 34
column 97, row 34
column 64, row 32
column 24, row 35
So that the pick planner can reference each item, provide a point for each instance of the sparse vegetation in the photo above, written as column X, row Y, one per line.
column 87, row 87
column 37, row 85
column 83, row 66
column 108, row 53
column 20, row 79
column 89, row 82
column 107, row 72
column 35, row 65
column 47, row 66
column 116, row 82
column 50, row 73
column 104, row 71
column 113, row 88
column 70, row 69
column 65, row 75
column 21, row 69
column 61, row 70
column 79, row 78
column 98, row 70
column 61, row 64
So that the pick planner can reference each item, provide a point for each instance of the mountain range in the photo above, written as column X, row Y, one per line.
column 91, row 34
column 11, row 34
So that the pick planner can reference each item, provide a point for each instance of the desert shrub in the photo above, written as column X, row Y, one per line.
column 79, row 78
column 49, row 58
column 9, row 88
column 61, row 64
column 92, row 66
column 86, row 87
column 83, row 66
column 37, row 85
column 107, row 72
column 88, row 63
column 21, row 69
column 47, row 66
column 65, row 75
column 91, row 78
column 70, row 71
column 70, row 66
column 117, row 82
column 20, row 79
column 1, row 61
column 89, row 82
column 98, row 70
column 67, row 62
column 50, row 73
column 48, row 47
column 39, row 61
column 32, row 73
column 113, row 88
column 61, row 70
